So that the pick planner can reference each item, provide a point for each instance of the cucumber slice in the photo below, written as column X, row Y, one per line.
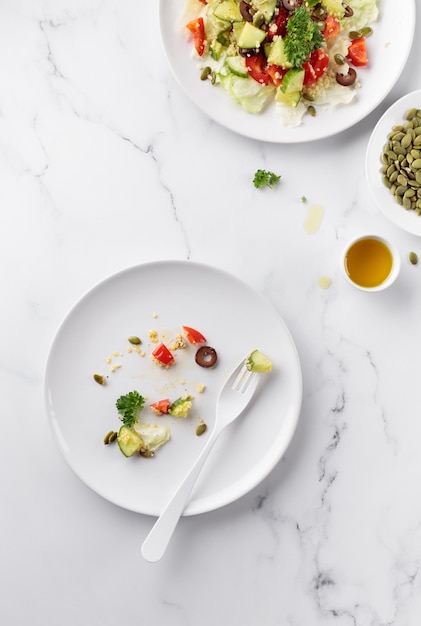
column 229, row 11
column 258, row 362
column 334, row 7
column 293, row 80
column 237, row 66
column 266, row 7
column 181, row 407
column 250, row 36
column 129, row 441
column 291, row 99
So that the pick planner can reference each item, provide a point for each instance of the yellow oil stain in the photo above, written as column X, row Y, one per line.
column 314, row 218
column 324, row 282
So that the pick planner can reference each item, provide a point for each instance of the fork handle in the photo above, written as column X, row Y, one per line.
column 155, row 544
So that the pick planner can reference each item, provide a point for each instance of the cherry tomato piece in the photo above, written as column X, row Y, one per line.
column 278, row 26
column 197, row 29
column 276, row 73
column 316, row 66
column 256, row 67
column 163, row 355
column 193, row 335
column 332, row 27
column 161, row 407
column 357, row 52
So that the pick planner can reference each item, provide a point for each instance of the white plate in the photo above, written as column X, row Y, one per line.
column 407, row 220
column 235, row 319
column 388, row 48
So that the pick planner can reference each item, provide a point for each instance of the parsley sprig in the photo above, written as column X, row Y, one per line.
column 303, row 36
column 128, row 407
column 263, row 177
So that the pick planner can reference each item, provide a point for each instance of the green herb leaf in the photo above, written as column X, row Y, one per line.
column 303, row 36
column 263, row 177
column 128, row 407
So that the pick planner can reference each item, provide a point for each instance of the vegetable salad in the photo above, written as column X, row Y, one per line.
column 296, row 53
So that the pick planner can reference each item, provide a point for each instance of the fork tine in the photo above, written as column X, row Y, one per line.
column 243, row 379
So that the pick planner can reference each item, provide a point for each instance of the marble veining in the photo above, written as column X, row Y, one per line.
column 106, row 163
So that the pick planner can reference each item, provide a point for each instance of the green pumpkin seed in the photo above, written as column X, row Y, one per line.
column 205, row 73
column 202, row 428
column 411, row 113
column 110, row 437
column 134, row 340
column 98, row 378
column 413, row 258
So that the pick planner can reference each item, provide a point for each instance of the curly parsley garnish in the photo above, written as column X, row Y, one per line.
column 262, row 178
column 303, row 36
column 128, row 407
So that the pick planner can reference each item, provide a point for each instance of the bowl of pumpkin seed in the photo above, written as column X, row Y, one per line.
column 393, row 163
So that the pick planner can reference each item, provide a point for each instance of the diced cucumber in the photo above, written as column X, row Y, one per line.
column 266, row 7
column 276, row 54
column 291, row 99
column 129, row 441
column 250, row 36
column 334, row 7
column 293, row 80
column 223, row 37
column 181, row 407
column 258, row 362
column 237, row 66
column 228, row 10
column 216, row 49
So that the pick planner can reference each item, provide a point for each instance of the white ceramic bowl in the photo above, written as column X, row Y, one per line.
column 396, row 263
column 407, row 220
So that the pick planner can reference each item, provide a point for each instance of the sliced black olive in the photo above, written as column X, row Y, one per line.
column 349, row 12
column 347, row 79
column 248, row 52
column 206, row 356
column 245, row 11
column 291, row 5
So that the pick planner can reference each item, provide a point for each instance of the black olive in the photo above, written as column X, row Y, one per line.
column 291, row 5
column 248, row 52
column 347, row 79
column 348, row 11
column 245, row 11
column 206, row 356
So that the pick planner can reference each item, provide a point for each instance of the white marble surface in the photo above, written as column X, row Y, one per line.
column 105, row 163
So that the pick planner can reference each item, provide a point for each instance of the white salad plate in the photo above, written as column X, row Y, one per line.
column 388, row 50
column 407, row 220
column 163, row 296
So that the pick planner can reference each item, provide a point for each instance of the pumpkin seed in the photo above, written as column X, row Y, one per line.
column 406, row 203
column 98, row 378
column 110, row 437
column 413, row 258
column 416, row 164
column 202, row 428
column 134, row 340
column 205, row 73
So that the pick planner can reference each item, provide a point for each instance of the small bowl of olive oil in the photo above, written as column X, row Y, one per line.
column 370, row 263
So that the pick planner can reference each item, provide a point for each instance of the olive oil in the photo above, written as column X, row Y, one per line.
column 368, row 262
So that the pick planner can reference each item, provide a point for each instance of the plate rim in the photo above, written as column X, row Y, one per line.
column 231, row 491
